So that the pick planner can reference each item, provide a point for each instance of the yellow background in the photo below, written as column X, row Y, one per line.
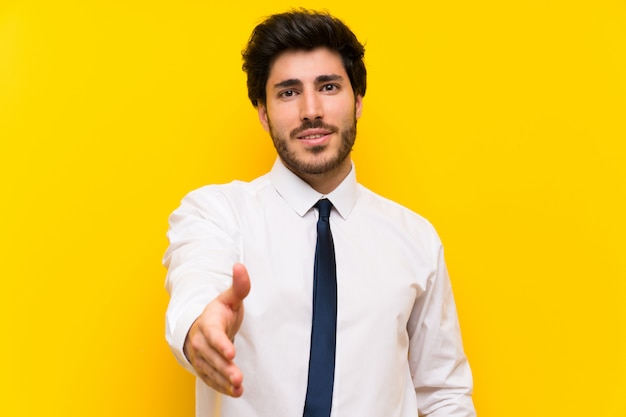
column 502, row 122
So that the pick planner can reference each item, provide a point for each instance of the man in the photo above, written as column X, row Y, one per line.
column 358, row 320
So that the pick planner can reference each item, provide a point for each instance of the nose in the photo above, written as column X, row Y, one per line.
column 311, row 106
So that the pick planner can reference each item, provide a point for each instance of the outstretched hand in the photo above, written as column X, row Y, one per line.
column 209, row 343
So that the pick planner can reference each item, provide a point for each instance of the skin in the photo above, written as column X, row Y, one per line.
column 310, row 112
column 209, row 342
column 309, row 93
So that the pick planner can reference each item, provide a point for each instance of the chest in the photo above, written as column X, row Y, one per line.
column 381, row 271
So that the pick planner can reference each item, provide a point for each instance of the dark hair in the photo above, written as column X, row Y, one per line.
column 300, row 30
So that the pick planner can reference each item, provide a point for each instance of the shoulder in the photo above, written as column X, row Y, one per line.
column 223, row 202
column 226, row 194
column 395, row 215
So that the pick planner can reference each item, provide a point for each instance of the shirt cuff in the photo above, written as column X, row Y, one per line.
column 177, row 333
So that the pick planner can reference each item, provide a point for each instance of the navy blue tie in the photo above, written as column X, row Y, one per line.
column 319, row 393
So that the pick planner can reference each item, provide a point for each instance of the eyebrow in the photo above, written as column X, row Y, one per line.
column 294, row 82
column 326, row 78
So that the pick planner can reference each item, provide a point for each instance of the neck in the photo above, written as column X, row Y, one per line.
column 326, row 182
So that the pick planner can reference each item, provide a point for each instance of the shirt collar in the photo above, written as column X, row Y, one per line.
column 301, row 197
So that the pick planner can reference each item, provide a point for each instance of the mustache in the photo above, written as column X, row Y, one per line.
column 311, row 124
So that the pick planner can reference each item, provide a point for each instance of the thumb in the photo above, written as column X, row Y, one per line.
column 240, row 288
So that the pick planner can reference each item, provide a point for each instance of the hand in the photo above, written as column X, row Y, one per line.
column 209, row 342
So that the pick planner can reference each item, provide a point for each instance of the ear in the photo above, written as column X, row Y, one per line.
column 262, row 110
column 358, row 105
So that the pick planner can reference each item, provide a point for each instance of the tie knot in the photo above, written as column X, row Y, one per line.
column 324, row 205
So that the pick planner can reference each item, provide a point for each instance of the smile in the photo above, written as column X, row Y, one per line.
column 312, row 136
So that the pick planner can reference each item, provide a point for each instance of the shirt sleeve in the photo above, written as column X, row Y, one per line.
column 202, row 250
column 439, row 368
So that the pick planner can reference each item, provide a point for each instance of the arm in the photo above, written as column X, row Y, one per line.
column 206, row 290
column 208, row 344
column 439, row 368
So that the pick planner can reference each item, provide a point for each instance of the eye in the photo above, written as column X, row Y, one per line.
column 287, row 93
column 329, row 88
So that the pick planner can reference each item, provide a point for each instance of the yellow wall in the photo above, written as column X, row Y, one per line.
column 502, row 122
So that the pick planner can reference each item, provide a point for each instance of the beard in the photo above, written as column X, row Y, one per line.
column 300, row 166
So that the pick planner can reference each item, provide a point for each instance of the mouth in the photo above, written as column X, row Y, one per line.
column 314, row 137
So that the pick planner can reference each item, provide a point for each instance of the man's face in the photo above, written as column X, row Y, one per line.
column 311, row 111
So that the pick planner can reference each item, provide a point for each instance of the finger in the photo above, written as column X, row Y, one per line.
column 206, row 336
column 228, row 382
column 219, row 341
column 234, row 296
column 212, row 366
column 241, row 281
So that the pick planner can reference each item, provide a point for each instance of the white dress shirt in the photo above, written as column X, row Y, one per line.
column 399, row 350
